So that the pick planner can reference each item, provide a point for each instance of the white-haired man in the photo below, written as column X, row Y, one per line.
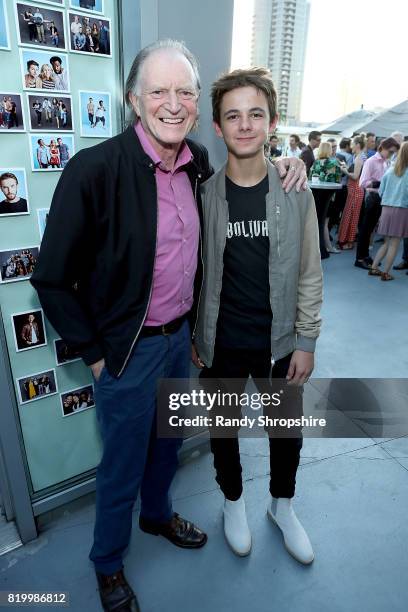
column 117, row 277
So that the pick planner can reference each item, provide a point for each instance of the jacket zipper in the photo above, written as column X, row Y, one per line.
column 151, row 165
column 277, row 226
column 201, row 255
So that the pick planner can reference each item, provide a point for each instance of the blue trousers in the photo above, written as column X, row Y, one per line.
column 133, row 457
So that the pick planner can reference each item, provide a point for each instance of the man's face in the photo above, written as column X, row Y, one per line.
column 292, row 143
column 56, row 67
column 69, row 400
column 168, row 96
column 31, row 319
column 33, row 70
column 59, row 140
column 370, row 142
column 245, row 122
column 9, row 188
column 334, row 148
column 274, row 142
column 315, row 142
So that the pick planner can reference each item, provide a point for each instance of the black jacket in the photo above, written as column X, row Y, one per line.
column 95, row 268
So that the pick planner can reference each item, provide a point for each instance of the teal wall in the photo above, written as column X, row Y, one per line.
column 57, row 448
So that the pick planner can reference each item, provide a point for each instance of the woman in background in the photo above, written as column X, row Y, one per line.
column 355, row 194
column 393, row 223
column 46, row 77
column 328, row 169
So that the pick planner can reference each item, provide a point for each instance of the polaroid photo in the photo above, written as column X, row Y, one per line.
column 11, row 113
column 50, row 152
column 95, row 114
column 4, row 28
column 29, row 330
column 17, row 264
column 64, row 354
column 40, row 27
column 44, row 71
column 77, row 400
column 37, row 386
column 89, row 35
column 49, row 113
column 92, row 6
column 13, row 193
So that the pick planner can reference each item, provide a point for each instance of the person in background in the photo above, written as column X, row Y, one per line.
column 355, row 195
column 47, row 108
column 37, row 107
column 42, row 154
column 55, row 160
column 46, row 76
column 394, row 214
column 79, row 40
column 32, row 28
column 54, row 34
column 345, row 157
column 371, row 175
column 63, row 152
column 59, row 73
column 274, row 151
column 328, row 169
column 31, row 79
column 76, row 27
column 307, row 155
column 90, row 107
column 333, row 143
column 371, row 147
column 293, row 150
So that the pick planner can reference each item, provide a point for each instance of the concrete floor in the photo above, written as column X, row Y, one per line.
column 352, row 497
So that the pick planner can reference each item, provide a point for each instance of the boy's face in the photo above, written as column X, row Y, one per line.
column 245, row 123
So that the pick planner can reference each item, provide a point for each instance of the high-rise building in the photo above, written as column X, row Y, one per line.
column 279, row 35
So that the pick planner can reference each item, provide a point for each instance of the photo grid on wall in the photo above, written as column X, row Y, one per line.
column 55, row 118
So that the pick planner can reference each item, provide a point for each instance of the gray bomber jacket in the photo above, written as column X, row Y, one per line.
column 295, row 273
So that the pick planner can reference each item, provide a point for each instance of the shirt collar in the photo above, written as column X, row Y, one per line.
column 184, row 155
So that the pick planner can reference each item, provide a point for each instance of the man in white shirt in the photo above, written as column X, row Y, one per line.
column 293, row 150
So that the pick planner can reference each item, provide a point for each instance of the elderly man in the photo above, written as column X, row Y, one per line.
column 116, row 279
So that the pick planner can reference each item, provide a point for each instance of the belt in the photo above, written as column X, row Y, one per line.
column 164, row 330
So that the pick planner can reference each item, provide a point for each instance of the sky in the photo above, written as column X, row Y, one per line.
column 347, row 63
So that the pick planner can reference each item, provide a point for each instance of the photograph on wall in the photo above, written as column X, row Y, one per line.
column 77, row 400
column 93, row 6
column 37, row 386
column 11, row 113
column 13, row 192
column 29, row 330
column 4, row 29
column 40, row 26
column 89, row 35
column 48, row 113
column 44, row 71
column 50, row 152
column 42, row 216
column 95, row 114
column 64, row 354
column 17, row 264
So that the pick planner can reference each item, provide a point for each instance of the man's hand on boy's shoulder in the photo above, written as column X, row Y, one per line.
column 293, row 171
column 300, row 368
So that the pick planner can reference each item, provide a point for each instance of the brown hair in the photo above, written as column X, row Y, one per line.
column 260, row 78
column 8, row 175
column 402, row 160
column 387, row 143
column 360, row 140
column 296, row 137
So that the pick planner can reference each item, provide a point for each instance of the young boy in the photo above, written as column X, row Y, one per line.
column 261, row 293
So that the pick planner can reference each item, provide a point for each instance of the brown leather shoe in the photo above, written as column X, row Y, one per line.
column 179, row 531
column 116, row 594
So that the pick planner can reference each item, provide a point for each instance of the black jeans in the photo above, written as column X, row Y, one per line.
column 371, row 215
column 284, row 452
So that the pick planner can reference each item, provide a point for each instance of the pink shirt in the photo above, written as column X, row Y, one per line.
column 177, row 237
column 373, row 170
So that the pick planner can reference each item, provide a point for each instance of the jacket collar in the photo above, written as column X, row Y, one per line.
column 219, row 178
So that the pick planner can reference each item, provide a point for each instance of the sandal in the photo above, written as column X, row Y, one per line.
column 375, row 272
column 386, row 277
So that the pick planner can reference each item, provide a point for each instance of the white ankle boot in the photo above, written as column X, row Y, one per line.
column 296, row 540
column 236, row 527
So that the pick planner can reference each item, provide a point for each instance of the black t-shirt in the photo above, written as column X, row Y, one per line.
column 245, row 314
column 7, row 207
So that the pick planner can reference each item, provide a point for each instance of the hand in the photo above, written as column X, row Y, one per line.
column 293, row 171
column 195, row 358
column 97, row 368
column 300, row 368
